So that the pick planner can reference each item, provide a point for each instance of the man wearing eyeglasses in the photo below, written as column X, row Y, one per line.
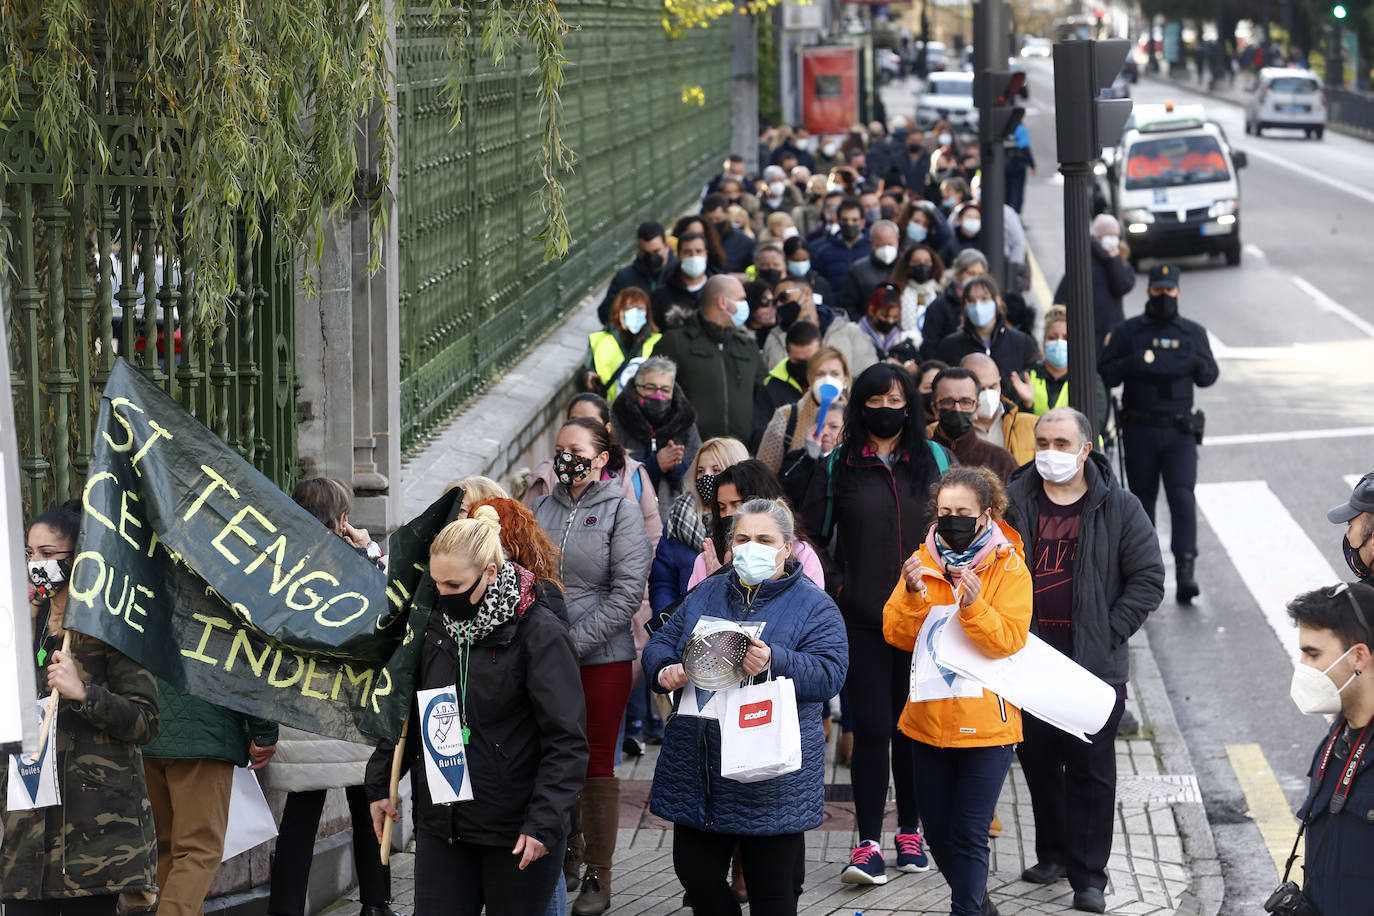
column 1338, row 815
column 955, row 393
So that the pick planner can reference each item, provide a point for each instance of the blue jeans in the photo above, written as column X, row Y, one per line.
column 958, row 790
column 558, row 906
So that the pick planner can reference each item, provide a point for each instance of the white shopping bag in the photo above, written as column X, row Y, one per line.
column 760, row 737
column 929, row 679
column 250, row 820
column 443, row 747
column 33, row 780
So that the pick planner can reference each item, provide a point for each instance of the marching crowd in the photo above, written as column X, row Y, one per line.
column 810, row 412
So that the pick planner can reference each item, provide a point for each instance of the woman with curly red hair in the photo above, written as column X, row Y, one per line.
column 527, row 544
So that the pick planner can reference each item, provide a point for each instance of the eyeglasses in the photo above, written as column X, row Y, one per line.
column 964, row 404
column 43, row 554
column 656, row 389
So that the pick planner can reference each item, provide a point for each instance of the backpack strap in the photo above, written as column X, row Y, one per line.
column 791, row 428
column 829, row 525
column 638, row 485
column 941, row 456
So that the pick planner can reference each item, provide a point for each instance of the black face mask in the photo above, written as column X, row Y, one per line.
column 922, row 273
column 459, row 605
column 788, row 313
column 706, row 488
column 957, row 531
column 722, row 228
column 797, row 369
column 889, row 212
column 955, row 423
column 653, row 261
column 1161, row 307
column 771, row 276
column 1353, row 559
column 883, row 327
column 884, row 422
column 851, row 232
column 914, row 150
column 655, row 408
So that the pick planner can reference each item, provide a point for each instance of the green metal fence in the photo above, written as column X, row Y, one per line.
column 475, row 291
column 88, row 283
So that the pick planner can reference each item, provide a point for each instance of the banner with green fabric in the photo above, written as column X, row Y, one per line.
column 198, row 567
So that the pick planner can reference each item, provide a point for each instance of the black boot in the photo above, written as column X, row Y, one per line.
column 1183, row 575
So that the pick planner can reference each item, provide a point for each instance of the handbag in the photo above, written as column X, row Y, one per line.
column 760, row 735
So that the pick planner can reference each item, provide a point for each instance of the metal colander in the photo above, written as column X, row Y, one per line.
column 714, row 657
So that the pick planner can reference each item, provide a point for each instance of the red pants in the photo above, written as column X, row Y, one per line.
column 607, row 691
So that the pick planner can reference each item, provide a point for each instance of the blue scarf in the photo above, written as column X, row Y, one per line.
column 956, row 559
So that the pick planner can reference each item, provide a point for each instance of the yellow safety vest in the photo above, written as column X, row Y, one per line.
column 779, row 372
column 607, row 357
column 1041, row 402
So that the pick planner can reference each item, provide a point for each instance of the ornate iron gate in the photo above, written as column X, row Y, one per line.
column 475, row 291
column 83, row 290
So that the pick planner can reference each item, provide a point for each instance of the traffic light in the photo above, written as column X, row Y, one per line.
column 995, row 92
column 1084, row 121
column 1338, row 11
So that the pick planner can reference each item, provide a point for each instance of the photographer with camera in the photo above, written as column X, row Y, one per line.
column 1334, row 637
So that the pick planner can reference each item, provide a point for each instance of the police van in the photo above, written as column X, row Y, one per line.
column 1173, row 185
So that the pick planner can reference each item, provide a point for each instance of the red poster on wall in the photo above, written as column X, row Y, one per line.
column 830, row 89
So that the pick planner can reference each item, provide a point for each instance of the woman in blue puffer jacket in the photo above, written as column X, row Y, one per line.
column 799, row 634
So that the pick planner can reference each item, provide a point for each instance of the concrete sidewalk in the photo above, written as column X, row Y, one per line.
column 1163, row 860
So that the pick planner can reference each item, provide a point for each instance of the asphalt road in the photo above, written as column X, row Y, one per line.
column 1293, row 328
column 1296, row 328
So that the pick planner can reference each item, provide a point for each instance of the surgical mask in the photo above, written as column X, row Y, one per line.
column 957, row 531
column 851, row 232
column 922, row 273
column 944, row 139
column 799, row 268
column 955, row 424
column 1057, row 353
column 1352, row 559
column 989, row 399
column 832, row 186
column 570, row 468
column 829, row 150
column 949, row 202
column 827, row 388
column 777, row 188
column 634, row 320
column 885, row 254
column 48, row 576
column 1316, row 694
column 1162, row 307
column 884, row 422
column 972, row 225
column 916, row 232
column 790, row 233
column 694, row 266
column 754, row 562
column 981, row 313
column 706, row 487
column 1110, row 242
column 1056, row 466
column 740, row 313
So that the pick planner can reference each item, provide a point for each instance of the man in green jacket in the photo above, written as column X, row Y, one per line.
column 190, row 770
column 718, row 362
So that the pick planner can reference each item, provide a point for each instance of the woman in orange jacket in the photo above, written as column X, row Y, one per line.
column 970, row 572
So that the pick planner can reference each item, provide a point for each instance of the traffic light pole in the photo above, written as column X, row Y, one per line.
column 1078, row 288
column 990, row 53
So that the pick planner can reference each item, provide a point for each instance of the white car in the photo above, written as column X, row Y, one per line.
column 1037, row 47
column 1287, row 97
column 948, row 96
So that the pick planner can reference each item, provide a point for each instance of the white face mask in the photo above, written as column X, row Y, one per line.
column 885, row 254
column 1056, row 466
column 1316, row 694
column 776, row 188
column 754, row 562
column 1111, row 242
column 972, row 225
column 47, row 576
column 989, row 400
column 827, row 387
column 944, row 139
column 694, row 266
column 790, row 233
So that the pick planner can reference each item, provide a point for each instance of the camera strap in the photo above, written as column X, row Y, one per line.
column 1342, row 793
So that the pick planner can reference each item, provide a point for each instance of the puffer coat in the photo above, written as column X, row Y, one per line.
column 606, row 557
column 804, row 629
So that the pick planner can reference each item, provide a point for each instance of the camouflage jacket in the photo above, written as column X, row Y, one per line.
column 100, row 839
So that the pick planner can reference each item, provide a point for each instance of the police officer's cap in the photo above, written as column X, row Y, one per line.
column 1361, row 500
column 1164, row 276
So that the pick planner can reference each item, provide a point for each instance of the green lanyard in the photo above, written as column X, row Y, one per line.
column 42, row 636
column 464, row 665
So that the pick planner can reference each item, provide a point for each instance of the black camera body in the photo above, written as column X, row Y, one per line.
column 1288, row 900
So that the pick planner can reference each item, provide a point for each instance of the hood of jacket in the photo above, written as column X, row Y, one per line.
column 681, row 417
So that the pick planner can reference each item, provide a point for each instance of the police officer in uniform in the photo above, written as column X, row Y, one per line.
column 1159, row 357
